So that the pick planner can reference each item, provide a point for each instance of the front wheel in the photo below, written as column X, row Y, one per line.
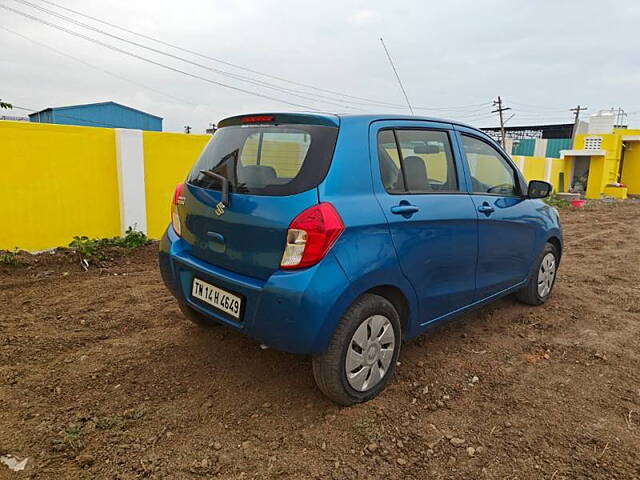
column 362, row 354
column 542, row 278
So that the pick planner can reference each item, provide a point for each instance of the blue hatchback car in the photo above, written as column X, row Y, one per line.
column 340, row 236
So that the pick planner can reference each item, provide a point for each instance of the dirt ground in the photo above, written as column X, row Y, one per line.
column 101, row 377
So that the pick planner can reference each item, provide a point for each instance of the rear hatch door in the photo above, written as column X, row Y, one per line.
column 273, row 164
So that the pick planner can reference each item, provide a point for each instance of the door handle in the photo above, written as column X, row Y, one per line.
column 486, row 208
column 404, row 209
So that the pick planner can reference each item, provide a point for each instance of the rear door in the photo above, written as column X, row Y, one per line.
column 506, row 230
column 420, row 186
column 274, row 168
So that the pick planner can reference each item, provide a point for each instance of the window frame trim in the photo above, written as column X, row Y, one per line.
column 450, row 137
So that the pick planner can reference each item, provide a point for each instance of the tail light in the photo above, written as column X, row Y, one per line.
column 310, row 236
column 178, row 199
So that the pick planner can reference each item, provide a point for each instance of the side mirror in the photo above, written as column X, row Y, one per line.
column 539, row 189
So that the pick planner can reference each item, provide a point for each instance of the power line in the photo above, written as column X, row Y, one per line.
column 368, row 101
column 107, row 72
column 192, row 52
column 182, row 59
column 153, row 62
column 537, row 107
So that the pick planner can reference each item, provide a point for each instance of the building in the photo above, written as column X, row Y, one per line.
column 535, row 140
column 104, row 114
column 603, row 158
column 602, row 161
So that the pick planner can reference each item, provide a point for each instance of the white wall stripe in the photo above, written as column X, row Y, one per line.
column 130, row 161
column 540, row 149
column 519, row 163
column 547, row 168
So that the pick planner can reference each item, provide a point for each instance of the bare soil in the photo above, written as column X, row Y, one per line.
column 101, row 377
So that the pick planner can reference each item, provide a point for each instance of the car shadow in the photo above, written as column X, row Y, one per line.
column 225, row 365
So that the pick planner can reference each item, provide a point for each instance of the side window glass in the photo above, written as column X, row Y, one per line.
column 416, row 161
column 490, row 172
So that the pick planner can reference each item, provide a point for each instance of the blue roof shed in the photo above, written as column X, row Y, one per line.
column 104, row 114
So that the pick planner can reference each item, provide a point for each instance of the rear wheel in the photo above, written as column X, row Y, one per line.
column 196, row 317
column 542, row 278
column 362, row 354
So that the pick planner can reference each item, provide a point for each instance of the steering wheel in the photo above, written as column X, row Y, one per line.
column 502, row 188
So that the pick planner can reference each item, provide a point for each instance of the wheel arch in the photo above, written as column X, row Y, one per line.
column 557, row 243
column 397, row 298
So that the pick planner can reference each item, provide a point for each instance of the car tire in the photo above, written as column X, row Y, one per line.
column 196, row 317
column 542, row 277
column 369, row 333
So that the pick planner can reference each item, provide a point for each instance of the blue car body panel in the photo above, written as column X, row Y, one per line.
column 437, row 245
column 445, row 259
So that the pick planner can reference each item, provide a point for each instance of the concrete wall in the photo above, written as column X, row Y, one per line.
column 60, row 181
column 167, row 160
column 544, row 168
column 56, row 182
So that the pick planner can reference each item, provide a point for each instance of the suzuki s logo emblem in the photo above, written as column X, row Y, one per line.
column 219, row 210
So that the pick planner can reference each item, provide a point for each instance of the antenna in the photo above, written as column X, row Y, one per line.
column 397, row 76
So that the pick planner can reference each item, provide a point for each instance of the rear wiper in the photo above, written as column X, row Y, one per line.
column 224, row 192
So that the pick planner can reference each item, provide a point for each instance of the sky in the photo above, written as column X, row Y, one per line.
column 454, row 58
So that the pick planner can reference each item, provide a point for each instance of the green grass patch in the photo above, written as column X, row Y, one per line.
column 72, row 436
column 557, row 202
column 95, row 248
column 9, row 258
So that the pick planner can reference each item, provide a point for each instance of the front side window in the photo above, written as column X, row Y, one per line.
column 416, row 161
column 490, row 172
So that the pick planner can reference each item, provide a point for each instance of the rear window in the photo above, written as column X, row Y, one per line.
column 266, row 160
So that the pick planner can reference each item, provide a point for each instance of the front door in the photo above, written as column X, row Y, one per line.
column 506, row 228
column 433, row 223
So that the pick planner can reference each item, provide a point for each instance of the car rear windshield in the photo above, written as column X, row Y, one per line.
column 266, row 160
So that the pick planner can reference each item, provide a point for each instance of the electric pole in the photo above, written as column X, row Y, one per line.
column 620, row 117
column 577, row 111
column 500, row 109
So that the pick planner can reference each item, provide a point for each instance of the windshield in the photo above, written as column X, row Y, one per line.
column 266, row 160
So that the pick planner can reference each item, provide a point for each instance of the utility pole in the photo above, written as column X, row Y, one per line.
column 500, row 109
column 577, row 111
column 620, row 117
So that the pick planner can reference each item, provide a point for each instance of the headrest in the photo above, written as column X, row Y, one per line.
column 416, row 173
column 426, row 148
column 257, row 175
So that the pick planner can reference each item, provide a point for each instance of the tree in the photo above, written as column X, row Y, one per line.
column 5, row 105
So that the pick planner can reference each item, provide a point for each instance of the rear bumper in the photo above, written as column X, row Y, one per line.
column 292, row 311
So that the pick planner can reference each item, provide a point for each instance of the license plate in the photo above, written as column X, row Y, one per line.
column 216, row 297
